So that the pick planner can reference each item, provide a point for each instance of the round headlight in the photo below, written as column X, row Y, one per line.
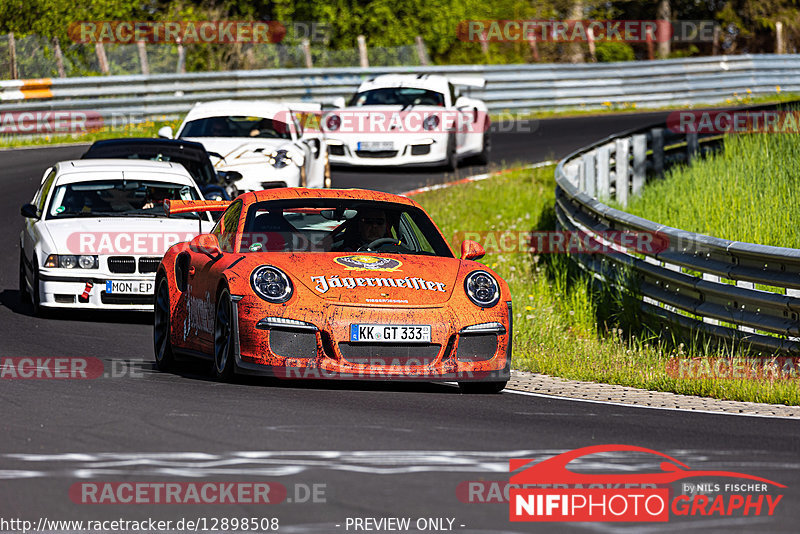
column 271, row 284
column 280, row 159
column 68, row 262
column 86, row 262
column 333, row 122
column 431, row 122
column 482, row 289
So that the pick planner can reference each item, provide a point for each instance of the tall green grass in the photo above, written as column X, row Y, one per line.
column 750, row 191
column 563, row 325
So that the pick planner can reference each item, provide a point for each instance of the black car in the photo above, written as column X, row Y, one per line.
column 215, row 185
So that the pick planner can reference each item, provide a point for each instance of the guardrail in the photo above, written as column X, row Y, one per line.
column 509, row 87
column 695, row 282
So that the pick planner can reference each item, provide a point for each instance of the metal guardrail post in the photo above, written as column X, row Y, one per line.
column 692, row 145
column 710, row 278
column 623, row 170
column 657, row 146
column 603, row 178
column 639, row 162
column 590, row 180
column 751, row 285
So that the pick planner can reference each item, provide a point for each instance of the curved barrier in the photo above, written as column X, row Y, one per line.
column 692, row 281
column 509, row 87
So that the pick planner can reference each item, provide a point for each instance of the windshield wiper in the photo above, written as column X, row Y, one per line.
column 66, row 215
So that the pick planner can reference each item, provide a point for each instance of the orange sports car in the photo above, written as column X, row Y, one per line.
column 324, row 283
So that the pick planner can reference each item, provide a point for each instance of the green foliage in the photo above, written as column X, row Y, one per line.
column 749, row 192
column 748, row 25
column 686, row 52
column 613, row 51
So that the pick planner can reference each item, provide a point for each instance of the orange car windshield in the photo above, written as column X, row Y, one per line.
column 334, row 225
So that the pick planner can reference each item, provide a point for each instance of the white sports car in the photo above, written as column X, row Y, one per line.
column 96, row 230
column 263, row 141
column 407, row 119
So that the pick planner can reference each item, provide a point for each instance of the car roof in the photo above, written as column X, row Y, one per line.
column 84, row 169
column 245, row 108
column 433, row 82
column 147, row 141
column 291, row 193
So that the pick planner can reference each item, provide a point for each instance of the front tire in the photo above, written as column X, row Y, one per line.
column 223, row 337
column 483, row 157
column 23, row 281
column 162, row 345
column 36, row 308
column 482, row 388
column 452, row 161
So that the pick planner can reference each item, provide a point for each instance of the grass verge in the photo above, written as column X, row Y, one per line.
column 750, row 191
column 563, row 326
column 144, row 129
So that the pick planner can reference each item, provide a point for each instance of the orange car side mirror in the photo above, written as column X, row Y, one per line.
column 207, row 244
column 470, row 250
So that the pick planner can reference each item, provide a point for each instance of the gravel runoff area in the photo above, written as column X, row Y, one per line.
column 595, row 392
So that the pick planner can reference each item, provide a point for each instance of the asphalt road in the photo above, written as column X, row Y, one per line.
column 372, row 450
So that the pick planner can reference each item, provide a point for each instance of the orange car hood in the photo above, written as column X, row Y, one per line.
column 389, row 279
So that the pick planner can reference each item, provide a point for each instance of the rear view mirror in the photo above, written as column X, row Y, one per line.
column 165, row 132
column 470, row 250
column 207, row 244
column 338, row 215
column 338, row 102
column 29, row 211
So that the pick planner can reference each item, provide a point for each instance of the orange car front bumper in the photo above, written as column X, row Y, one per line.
column 301, row 344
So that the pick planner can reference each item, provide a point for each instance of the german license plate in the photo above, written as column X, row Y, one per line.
column 376, row 146
column 386, row 333
column 134, row 287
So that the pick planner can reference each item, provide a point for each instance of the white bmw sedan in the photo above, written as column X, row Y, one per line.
column 96, row 230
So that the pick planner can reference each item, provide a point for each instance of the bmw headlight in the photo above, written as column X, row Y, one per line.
column 271, row 284
column 71, row 262
column 482, row 289
column 87, row 262
column 431, row 122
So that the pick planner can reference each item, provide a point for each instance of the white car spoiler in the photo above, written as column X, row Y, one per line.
column 468, row 81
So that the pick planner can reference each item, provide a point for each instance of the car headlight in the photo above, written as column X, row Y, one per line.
column 271, row 284
column 70, row 261
column 280, row 158
column 87, row 262
column 482, row 289
column 333, row 122
column 431, row 122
